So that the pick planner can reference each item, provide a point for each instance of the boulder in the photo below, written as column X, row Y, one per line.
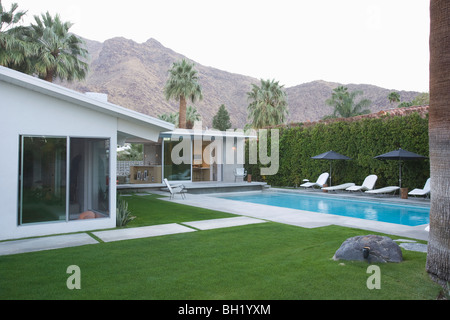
column 370, row 248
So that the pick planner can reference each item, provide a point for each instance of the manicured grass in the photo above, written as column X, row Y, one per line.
column 263, row 261
column 150, row 210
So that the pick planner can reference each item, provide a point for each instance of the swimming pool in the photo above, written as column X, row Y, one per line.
column 369, row 210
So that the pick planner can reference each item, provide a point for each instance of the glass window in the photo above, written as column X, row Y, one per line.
column 177, row 169
column 42, row 179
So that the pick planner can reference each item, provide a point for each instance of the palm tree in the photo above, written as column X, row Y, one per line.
column 192, row 115
column 394, row 97
column 169, row 117
column 12, row 49
column 438, row 257
column 60, row 54
column 183, row 84
column 344, row 103
column 268, row 106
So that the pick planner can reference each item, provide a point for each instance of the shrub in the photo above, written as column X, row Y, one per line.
column 360, row 140
column 123, row 215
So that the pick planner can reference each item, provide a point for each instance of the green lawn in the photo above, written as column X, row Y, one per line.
column 263, row 261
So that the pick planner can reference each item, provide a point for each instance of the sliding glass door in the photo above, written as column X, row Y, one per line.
column 89, row 177
column 45, row 173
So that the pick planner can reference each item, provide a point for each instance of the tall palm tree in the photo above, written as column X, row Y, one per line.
column 344, row 103
column 12, row 49
column 60, row 54
column 183, row 84
column 268, row 106
column 438, row 258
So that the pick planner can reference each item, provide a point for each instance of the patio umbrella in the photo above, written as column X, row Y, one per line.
column 330, row 155
column 400, row 155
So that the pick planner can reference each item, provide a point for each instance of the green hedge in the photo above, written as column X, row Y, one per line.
column 360, row 140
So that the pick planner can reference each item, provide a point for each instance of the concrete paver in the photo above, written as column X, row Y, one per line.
column 141, row 232
column 45, row 243
column 222, row 223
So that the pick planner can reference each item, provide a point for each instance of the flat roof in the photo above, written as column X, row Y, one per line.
column 206, row 133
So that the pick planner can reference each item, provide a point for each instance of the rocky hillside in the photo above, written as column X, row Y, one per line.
column 133, row 75
column 307, row 101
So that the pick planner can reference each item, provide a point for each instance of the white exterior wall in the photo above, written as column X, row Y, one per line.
column 27, row 112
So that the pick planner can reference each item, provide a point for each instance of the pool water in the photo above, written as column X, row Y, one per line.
column 369, row 210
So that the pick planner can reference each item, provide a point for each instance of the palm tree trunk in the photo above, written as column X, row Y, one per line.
column 438, row 258
column 182, row 113
column 49, row 76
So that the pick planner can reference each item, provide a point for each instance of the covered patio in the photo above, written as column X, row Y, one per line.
column 185, row 156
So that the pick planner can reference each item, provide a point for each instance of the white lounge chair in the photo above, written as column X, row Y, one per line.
column 239, row 173
column 422, row 192
column 175, row 189
column 383, row 190
column 368, row 184
column 339, row 187
column 319, row 183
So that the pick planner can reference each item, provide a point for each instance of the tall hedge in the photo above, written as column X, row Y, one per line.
column 360, row 140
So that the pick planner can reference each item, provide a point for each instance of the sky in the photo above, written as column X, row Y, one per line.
column 379, row 42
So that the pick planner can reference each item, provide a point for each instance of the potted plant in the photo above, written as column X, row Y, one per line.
column 249, row 174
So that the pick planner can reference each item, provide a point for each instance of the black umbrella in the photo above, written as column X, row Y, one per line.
column 400, row 155
column 331, row 155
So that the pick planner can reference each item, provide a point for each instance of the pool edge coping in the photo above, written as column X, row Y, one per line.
column 307, row 219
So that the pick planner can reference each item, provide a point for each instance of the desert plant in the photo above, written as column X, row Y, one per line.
column 123, row 215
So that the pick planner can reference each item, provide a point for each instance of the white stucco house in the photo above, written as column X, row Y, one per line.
column 58, row 163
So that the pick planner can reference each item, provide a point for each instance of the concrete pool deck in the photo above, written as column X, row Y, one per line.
column 307, row 219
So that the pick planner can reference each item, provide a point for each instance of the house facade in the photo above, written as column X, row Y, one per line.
column 58, row 165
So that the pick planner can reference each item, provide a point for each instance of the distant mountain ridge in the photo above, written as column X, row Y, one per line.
column 133, row 75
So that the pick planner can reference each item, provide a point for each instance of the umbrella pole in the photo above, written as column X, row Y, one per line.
column 400, row 173
column 330, row 173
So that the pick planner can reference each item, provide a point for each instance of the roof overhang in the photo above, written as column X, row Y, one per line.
column 130, row 123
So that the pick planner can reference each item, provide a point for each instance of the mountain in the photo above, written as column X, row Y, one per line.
column 307, row 101
column 133, row 75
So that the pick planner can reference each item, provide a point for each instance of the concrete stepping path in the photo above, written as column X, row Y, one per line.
column 79, row 239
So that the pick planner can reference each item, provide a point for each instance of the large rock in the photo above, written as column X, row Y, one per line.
column 380, row 249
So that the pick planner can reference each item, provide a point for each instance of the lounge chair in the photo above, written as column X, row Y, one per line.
column 383, row 190
column 319, row 183
column 422, row 192
column 368, row 184
column 239, row 173
column 175, row 189
column 339, row 187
